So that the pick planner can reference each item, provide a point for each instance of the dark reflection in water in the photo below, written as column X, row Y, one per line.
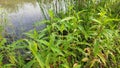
column 21, row 15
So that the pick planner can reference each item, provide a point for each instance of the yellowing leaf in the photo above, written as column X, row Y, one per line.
column 85, row 59
column 76, row 65
column 67, row 19
column 93, row 62
column 102, row 58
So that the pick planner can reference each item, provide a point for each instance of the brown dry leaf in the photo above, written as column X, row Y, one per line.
column 87, row 51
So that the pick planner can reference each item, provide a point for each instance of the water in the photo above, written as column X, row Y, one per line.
column 19, row 16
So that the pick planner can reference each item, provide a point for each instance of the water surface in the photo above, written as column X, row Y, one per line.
column 20, row 15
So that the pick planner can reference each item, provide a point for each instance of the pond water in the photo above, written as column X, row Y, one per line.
column 19, row 16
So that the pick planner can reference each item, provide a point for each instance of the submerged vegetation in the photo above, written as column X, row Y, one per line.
column 87, row 35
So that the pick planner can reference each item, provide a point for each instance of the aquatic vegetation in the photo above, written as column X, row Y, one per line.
column 85, row 36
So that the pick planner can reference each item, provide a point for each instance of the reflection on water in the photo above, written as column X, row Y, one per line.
column 14, row 5
column 21, row 15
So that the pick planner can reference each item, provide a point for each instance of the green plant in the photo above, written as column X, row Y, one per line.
column 83, row 37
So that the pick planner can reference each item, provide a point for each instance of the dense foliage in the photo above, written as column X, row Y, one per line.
column 86, row 36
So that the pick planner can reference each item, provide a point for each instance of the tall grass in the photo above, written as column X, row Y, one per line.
column 87, row 35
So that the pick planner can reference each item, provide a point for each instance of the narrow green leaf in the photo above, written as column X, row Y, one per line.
column 29, row 64
column 96, row 47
